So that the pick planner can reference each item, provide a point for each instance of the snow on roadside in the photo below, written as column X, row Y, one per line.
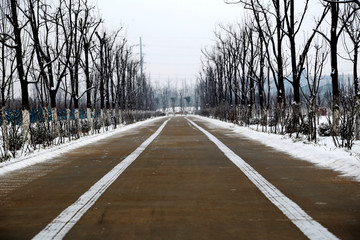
column 323, row 154
column 52, row 152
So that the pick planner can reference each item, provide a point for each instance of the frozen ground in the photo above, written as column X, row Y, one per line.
column 46, row 154
column 323, row 154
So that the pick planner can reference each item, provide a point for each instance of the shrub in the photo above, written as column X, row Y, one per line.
column 97, row 124
column 85, row 127
column 347, row 131
column 74, row 129
column 63, row 128
column 16, row 140
column 40, row 134
column 324, row 129
column 264, row 121
column 204, row 112
column 4, row 157
column 273, row 122
column 305, row 127
column 254, row 121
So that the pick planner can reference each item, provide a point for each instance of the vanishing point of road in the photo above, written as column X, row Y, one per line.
column 177, row 178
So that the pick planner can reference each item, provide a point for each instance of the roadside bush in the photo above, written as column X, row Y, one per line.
column 233, row 115
column 264, row 120
column 128, row 117
column 222, row 112
column 324, row 130
column 290, row 125
column 159, row 114
column 16, row 140
column 97, row 124
column 347, row 131
column 254, row 121
column 107, row 122
column 41, row 135
column 305, row 128
column 293, row 125
column 74, row 130
column 273, row 122
column 63, row 128
column 4, row 157
column 204, row 112
column 85, row 127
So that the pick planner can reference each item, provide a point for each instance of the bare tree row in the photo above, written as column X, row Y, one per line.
column 58, row 54
column 245, row 73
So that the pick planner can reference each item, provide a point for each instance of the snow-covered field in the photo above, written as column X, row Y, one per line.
column 323, row 154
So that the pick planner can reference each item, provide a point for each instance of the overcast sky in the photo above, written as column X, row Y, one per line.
column 173, row 31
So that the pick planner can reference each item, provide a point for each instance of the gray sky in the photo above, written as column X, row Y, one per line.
column 173, row 31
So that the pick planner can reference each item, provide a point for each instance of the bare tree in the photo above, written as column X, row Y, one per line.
column 351, row 20
column 51, row 46
column 88, row 26
column 269, row 19
column 49, row 50
column 314, row 67
column 106, row 66
column 335, row 33
column 80, row 24
column 109, row 70
column 7, row 68
column 252, row 69
column 121, row 60
column 23, row 62
column 293, row 27
column 334, row 37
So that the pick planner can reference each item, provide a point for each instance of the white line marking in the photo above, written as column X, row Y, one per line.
column 311, row 228
column 62, row 224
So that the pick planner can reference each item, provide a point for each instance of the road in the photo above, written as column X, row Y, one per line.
column 169, row 180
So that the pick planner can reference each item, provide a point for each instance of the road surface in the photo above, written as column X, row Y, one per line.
column 177, row 178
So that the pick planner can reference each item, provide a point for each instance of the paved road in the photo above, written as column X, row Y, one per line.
column 179, row 184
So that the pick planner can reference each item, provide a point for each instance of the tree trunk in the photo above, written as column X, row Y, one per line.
column 103, row 117
column 88, row 117
column 5, row 130
column 108, row 116
column 334, row 68
column 54, row 118
column 21, row 73
column 357, row 114
column 279, row 59
column 261, row 80
column 25, row 125
column 77, row 122
column 87, row 75
column 68, row 111
column 19, row 57
column 102, row 74
column 357, row 94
